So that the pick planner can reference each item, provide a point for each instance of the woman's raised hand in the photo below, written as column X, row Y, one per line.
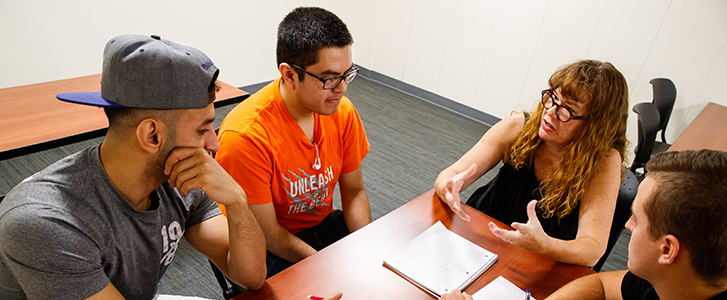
column 452, row 188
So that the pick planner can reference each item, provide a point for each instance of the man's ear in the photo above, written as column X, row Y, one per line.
column 151, row 135
column 289, row 74
column 669, row 247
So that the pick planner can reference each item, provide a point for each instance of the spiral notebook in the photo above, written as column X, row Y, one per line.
column 439, row 261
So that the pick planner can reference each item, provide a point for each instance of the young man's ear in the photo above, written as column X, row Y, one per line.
column 670, row 247
column 289, row 74
column 151, row 134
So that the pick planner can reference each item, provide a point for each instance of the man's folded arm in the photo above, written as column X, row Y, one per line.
column 235, row 244
column 278, row 240
column 605, row 285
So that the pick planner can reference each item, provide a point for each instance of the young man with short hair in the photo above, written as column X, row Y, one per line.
column 678, row 246
column 106, row 222
column 292, row 141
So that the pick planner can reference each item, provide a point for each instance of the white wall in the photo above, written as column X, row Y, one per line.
column 49, row 40
column 497, row 55
column 492, row 55
column 44, row 40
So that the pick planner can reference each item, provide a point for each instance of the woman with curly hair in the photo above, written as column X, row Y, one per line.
column 561, row 168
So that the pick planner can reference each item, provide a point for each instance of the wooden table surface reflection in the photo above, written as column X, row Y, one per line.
column 354, row 265
column 707, row 131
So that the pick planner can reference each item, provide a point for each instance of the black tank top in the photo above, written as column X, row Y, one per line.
column 506, row 198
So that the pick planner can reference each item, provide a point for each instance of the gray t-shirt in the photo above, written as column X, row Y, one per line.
column 67, row 232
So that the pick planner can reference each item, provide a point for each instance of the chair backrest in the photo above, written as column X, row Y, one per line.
column 665, row 94
column 648, row 125
column 621, row 215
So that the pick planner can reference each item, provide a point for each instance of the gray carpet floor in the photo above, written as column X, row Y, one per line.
column 411, row 142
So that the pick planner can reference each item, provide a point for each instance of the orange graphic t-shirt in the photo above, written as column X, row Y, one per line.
column 272, row 159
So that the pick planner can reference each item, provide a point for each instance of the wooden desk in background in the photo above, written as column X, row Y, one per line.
column 707, row 131
column 354, row 265
column 32, row 119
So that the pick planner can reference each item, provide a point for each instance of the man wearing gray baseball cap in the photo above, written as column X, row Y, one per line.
column 106, row 222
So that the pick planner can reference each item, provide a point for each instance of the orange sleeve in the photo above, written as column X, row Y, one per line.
column 247, row 159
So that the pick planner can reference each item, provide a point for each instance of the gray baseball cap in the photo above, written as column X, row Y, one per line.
column 148, row 72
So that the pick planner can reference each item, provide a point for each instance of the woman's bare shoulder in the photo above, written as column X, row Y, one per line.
column 508, row 128
column 612, row 158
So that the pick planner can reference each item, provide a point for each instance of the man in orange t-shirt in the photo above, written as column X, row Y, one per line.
column 292, row 141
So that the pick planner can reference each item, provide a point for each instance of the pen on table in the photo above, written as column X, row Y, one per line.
column 527, row 294
column 315, row 297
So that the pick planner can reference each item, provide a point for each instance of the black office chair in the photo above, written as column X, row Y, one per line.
column 665, row 94
column 621, row 215
column 229, row 288
column 648, row 125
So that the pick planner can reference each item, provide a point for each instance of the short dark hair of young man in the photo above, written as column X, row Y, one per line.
column 305, row 31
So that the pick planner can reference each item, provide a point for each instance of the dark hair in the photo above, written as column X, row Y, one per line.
column 304, row 31
column 689, row 201
column 121, row 119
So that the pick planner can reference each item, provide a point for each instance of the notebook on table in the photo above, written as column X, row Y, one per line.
column 439, row 261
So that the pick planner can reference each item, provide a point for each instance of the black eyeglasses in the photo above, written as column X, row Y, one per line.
column 333, row 82
column 564, row 113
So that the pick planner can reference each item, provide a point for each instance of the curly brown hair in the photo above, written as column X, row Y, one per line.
column 603, row 90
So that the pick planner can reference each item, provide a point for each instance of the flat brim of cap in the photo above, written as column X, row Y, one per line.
column 88, row 98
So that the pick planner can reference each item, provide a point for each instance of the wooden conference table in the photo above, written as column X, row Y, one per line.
column 32, row 119
column 354, row 265
column 707, row 131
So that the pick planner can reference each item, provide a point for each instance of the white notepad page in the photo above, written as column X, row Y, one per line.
column 500, row 289
column 440, row 260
